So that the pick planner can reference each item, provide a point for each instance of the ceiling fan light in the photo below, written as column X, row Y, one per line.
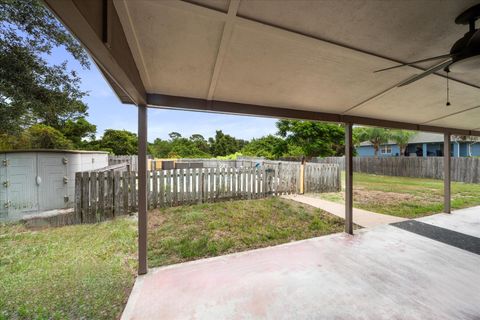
column 470, row 64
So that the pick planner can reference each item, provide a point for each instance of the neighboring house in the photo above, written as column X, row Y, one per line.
column 422, row 144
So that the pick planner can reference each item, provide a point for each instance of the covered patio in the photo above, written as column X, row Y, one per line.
column 386, row 272
column 309, row 60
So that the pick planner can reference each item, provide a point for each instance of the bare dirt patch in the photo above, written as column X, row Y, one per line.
column 371, row 196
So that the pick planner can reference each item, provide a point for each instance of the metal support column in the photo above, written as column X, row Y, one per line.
column 142, row 189
column 446, row 172
column 348, row 179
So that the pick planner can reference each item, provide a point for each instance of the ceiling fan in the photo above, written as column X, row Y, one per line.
column 464, row 55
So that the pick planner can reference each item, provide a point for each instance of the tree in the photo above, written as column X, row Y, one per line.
column 200, row 142
column 315, row 138
column 121, row 142
column 161, row 148
column 224, row 144
column 78, row 130
column 174, row 135
column 186, row 148
column 376, row 136
column 401, row 138
column 41, row 136
column 270, row 147
column 31, row 90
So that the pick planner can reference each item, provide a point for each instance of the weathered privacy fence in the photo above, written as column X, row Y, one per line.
column 103, row 195
column 463, row 169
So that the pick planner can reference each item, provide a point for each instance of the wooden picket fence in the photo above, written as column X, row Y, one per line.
column 103, row 195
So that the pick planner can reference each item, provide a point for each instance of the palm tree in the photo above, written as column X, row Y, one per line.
column 376, row 136
column 401, row 138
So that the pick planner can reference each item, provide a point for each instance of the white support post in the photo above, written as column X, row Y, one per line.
column 446, row 173
column 142, row 190
column 348, row 179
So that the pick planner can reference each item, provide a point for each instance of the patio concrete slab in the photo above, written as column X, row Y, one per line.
column 380, row 273
column 466, row 221
column 361, row 217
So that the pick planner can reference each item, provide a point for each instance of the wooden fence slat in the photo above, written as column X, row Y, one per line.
column 85, row 197
column 149, row 190
column 212, row 184
column 204, row 185
column 109, row 195
column 101, row 195
column 93, row 197
column 161, row 191
column 195, row 187
column 155, row 189
column 175, row 187
column 125, row 192
column 117, row 202
column 188, row 177
column 78, row 197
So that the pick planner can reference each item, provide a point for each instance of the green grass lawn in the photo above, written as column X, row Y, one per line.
column 186, row 233
column 73, row 272
column 87, row 271
column 406, row 197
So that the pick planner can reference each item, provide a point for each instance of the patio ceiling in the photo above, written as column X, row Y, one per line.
column 297, row 59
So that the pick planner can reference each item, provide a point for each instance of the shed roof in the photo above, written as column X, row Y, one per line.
column 53, row 151
column 298, row 59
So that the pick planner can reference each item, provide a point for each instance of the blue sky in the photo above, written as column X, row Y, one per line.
column 107, row 112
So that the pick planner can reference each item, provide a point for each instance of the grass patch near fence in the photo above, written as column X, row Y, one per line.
column 87, row 271
column 405, row 196
column 191, row 232
column 73, row 272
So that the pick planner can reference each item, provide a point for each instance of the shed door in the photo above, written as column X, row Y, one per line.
column 22, row 194
column 3, row 188
column 52, row 171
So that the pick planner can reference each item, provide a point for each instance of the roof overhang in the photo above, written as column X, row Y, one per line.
column 310, row 60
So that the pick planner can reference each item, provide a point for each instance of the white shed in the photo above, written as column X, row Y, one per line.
column 33, row 181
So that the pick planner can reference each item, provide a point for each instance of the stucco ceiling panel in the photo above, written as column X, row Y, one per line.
column 401, row 30
column 421, row 102
column 466, row 120
column 273, row 67
column 178, row 46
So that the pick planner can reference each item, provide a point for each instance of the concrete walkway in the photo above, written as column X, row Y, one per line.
column 361, row 217
column 380, row 273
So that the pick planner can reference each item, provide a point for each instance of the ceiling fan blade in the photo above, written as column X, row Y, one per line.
column 431, row 70
column 414, row 62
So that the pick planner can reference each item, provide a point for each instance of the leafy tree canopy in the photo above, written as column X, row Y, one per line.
column 77, row 130
column 31, row 90
column 401, row 138
column 120, row 142
column 270, row 147
column 315, row 138
column 376, row 136
column 224, row 144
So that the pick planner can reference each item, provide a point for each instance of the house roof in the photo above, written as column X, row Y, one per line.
column 287, row 59
column 418, row 137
